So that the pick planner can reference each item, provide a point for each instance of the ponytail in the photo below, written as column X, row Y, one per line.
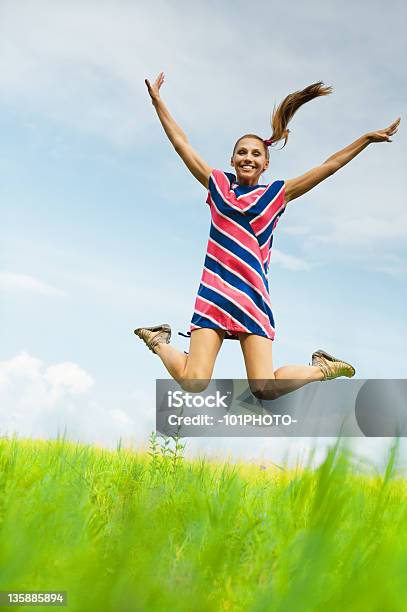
column 285, row 111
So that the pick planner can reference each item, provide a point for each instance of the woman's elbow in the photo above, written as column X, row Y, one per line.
column 331, row 167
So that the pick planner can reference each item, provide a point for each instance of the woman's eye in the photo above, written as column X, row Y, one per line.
column 244, row 152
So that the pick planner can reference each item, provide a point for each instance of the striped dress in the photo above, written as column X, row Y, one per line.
column 233, row 294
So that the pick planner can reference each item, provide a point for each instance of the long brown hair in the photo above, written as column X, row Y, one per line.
column 285, row 111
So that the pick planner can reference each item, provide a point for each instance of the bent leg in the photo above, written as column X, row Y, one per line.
column 193, row 372
column 258, row 359
column 263, row 381
column 299, row 372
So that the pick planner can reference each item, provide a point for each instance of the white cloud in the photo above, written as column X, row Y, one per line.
column 28, row 378
column 23, row 365
column 42, row 401
column 39, row 400
column 68, row 376
column 121, row 417
column 24, row 282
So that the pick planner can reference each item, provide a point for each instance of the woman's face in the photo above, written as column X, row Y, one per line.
column 249, row 161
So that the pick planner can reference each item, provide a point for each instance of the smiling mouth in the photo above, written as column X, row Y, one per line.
column 247, row 167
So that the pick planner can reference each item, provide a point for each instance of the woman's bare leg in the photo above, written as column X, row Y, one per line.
column 173, row 360
column 299, row 372
column 257, row 353
column 193, row 372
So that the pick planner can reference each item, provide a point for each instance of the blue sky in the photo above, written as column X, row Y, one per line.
column 104, row 230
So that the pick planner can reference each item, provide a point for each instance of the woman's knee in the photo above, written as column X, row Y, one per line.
column 195, row 381
column 264, row 389
column 194, row 386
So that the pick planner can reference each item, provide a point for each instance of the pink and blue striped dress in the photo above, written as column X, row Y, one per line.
column 233, row 294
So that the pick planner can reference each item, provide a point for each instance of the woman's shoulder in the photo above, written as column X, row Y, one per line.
column 219, row 173
column 221, row 179
column 275, row 189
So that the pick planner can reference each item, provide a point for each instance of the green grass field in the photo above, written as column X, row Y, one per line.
column 123, row 531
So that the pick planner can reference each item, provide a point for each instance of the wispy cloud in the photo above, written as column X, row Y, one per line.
column 294, row 230
column 99, row 87
column 88, row 68
column 289, row 261
column 392, row 265
column 24, row 282
column 360, row 231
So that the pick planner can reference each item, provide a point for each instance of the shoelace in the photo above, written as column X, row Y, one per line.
column 187, row 335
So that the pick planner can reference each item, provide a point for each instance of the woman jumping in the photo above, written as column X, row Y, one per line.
column 233, row 300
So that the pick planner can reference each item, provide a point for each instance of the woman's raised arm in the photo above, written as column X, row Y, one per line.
column 177, row 136
column 300, row 185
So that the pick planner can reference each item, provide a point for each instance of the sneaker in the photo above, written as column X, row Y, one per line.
column 152, row 336
column 330, row 366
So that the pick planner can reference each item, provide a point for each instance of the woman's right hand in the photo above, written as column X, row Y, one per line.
column 154, row 89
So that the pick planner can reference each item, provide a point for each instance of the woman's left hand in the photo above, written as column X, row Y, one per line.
column 384, row 135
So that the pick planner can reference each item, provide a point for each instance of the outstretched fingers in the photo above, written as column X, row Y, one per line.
column 159, row 80
column 392, row 129
column 154, row 89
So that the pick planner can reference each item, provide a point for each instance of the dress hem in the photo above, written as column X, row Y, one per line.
column 231, row 334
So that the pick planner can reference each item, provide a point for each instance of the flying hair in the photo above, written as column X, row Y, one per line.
column 284, row 112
